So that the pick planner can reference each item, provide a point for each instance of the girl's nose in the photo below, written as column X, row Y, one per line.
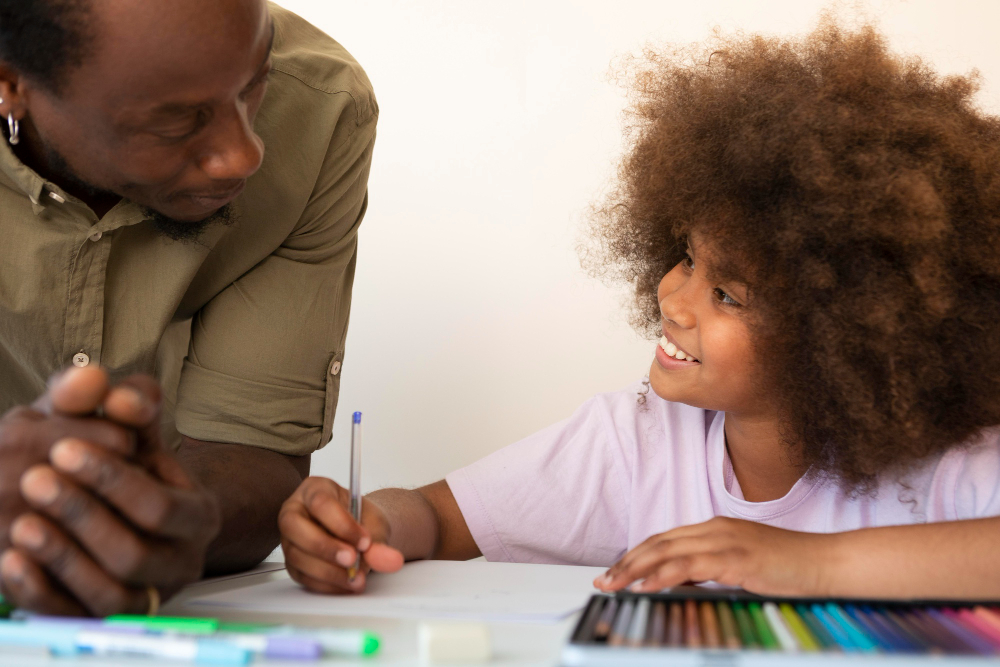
column 674, row 307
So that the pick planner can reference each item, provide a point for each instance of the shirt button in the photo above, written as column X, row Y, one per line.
column 334, row 368
column 81, row 359
column 96, row 236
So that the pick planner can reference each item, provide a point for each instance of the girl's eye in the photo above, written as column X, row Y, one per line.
column 725, row 298
column 687, row 263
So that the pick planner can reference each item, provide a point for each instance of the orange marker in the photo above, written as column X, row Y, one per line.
column 692, row 633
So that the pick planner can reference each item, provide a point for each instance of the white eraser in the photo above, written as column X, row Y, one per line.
column 453, row 642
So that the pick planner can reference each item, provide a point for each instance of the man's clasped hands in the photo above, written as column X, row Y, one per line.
column 97, row 516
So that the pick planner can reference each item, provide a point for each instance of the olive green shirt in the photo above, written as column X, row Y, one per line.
column 245, row 327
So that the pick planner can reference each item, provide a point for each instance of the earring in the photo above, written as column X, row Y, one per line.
column 15, row 130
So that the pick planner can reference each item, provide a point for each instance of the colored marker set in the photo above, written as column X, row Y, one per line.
column 203, row 641
column 706, row 626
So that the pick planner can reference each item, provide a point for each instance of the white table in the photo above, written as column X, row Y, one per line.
column 514, row 644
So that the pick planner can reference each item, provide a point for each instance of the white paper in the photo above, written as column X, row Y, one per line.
column 470, row 590
column 262, row 568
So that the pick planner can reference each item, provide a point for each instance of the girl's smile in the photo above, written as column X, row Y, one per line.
column 670, row 355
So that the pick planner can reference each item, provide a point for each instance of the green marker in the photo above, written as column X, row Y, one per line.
column 763, row 629
column 5, row 608
column 745, row 624
column 178, row 624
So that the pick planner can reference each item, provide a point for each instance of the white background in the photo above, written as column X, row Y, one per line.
column 473, row 324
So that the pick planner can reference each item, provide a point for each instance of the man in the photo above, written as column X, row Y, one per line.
column 147, row 232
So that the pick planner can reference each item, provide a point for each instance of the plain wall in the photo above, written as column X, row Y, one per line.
column 473, row 324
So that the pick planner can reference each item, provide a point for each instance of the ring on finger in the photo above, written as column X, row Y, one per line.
column 154, row 601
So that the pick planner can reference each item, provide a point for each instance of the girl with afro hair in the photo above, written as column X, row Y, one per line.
column 812, row 231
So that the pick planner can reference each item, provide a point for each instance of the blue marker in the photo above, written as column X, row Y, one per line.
column 70, row 640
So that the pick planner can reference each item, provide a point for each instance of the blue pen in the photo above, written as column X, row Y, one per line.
column 355, row 484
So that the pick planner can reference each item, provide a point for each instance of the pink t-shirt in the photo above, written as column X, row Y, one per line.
column 588, row 489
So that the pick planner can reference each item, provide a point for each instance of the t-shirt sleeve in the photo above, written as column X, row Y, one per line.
column 263, row 363
column 557, row 496
column 966, row 484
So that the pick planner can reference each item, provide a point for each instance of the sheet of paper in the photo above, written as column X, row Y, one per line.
column 471, row 590
column 263, row 568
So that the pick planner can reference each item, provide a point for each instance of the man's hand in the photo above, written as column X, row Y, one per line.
column 113, row 511
column 732, row 552
column 321, row 539
column 28, row 433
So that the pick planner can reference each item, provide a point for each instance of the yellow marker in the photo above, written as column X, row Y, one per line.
column 798, row 628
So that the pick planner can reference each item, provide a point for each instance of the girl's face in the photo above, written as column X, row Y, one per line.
column 705, row 323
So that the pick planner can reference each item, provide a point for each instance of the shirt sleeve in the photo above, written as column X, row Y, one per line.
column 554, row 497
column 966, row 484
column 265, row 353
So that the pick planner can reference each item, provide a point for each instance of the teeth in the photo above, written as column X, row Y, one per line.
column 674, row 351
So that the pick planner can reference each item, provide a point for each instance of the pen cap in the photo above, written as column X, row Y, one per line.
column 357, row 418
column 59, row 640
column 293, row 648
column 221, row 654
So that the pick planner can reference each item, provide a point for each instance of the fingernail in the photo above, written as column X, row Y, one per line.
column 604, row 579
column 364, row 543
column 28, row 534
column 11, row 567
column 133, row 398
column 69, row 455
column 40, row 485
column 345, row 558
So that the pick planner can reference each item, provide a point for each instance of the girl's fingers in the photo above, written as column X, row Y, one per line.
column 327, row 503
column 298, row 527
column 648, row 560
column 716, row 532
column 316, row 585
column 383, row 558
column 331, row 575
column 711, row 566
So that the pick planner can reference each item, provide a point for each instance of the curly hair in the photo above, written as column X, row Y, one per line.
column 857, row 193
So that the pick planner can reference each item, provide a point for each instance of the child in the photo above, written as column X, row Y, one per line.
column 812, row 230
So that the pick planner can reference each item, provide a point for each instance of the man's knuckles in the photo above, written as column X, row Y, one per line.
column 129, row 560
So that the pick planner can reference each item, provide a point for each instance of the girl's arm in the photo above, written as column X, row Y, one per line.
column 953, row 559
column 321, row 540
column 939, row 560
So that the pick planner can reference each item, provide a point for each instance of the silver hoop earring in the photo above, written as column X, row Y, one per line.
column 15, row 130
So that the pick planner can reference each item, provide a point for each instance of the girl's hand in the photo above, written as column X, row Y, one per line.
column 321, row 539
column 732, row 552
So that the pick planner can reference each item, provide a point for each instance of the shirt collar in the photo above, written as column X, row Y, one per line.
column 21, row 176
column 25, row 179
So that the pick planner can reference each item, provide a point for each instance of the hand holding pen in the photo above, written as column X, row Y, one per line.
column 323, row 540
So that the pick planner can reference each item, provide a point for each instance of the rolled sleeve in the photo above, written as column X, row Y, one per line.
column 263, row 362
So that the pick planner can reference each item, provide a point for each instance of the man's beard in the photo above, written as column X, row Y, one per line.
column 176, row 230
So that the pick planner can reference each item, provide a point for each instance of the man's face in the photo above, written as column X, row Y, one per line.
column 161, row 111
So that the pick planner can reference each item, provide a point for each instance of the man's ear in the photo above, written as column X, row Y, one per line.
column 12, row 93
